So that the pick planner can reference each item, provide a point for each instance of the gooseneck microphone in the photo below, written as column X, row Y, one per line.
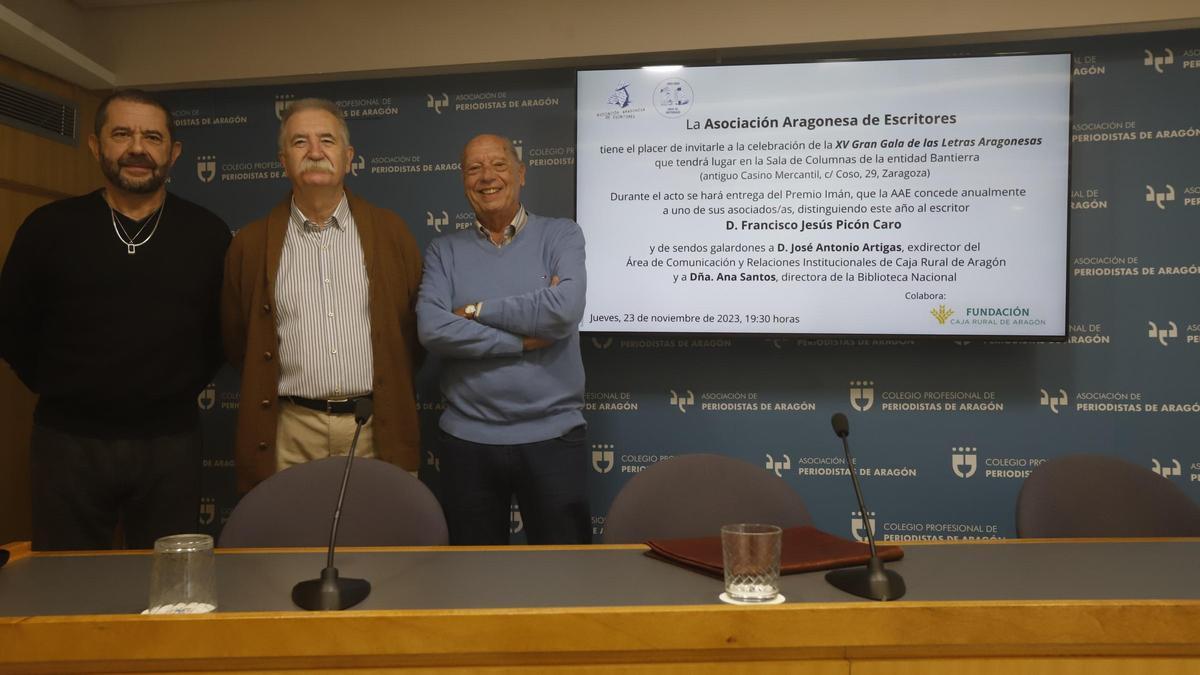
column 329, row 591
column 873, row 581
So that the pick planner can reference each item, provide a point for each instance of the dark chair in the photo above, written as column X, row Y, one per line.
column 384, row 506
column 694, row 495
column 1099, row 496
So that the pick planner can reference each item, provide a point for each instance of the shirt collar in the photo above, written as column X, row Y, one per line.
column 510, row 232
column 337, row 219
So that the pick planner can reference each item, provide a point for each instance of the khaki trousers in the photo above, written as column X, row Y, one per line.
column 302, row 435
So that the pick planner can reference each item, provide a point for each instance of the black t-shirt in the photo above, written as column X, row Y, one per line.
column 117, row 345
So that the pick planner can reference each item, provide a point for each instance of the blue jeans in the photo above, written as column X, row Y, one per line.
column 549, row 479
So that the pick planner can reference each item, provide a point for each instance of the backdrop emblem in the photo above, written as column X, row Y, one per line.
column 207, row 398
column 1159, row 198
column 1054, row 401
column 862, row 395
column 779, row 466
column 282, row 101
column 436, row 104
column 208, row 510
column 1175, row 469
column 964, row 462
column 602, row 458
column 206, row 168
column 858, row 527
column 682, row 402
column 1157, row 61
column 435, row 222
column 1163, row 334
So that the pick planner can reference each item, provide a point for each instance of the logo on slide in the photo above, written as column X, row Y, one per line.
column 673, row 97
column 519, row 148
column 1163, row 334
column 515, row 523
column 778, row 466
column 1167, row 471
column 602, row 457
column 602, row 343
column 433, row 460
column 208, row 510
column 620, row 96
column 1054, row 401
column 682, row 402
column 942, row 313
column 206, row 168
column 862, row 395
column 1158, row 198
column 207, row 398
column 282, row 101
column 858, row 527
column 358, row 165
column 435, row 222
column 436, row 104
column 1157, row 61
column 963, row 461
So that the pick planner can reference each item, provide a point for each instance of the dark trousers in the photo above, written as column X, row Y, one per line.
column 82, row 487
column 549, row 479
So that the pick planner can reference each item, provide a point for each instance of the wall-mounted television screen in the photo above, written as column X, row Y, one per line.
column 903, row 197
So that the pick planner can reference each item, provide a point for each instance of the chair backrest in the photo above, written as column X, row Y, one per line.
column 384, row 506
column 1086, row 495
column 694, row 495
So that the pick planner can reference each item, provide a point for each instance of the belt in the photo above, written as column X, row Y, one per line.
column 333, row 406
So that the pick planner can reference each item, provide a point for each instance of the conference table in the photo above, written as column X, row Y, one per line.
column 1094, row 606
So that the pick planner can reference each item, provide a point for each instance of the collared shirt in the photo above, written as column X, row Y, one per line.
column 510, row 232
column 323, row 316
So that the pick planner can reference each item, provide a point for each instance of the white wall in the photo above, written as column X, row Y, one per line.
column 247, row 41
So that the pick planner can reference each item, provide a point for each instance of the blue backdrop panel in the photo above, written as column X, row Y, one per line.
column 944, row 431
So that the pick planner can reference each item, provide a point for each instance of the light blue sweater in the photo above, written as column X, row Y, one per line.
column 497, row 393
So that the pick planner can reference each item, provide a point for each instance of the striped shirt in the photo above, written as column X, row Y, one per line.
column 323, row 316
column 510, row 232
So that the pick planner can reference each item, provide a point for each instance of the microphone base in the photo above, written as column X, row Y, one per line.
column 330, row 592
column 872, row 582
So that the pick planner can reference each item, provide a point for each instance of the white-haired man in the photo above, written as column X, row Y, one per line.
column 317, row 312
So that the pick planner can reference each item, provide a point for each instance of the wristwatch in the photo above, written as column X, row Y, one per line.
column 470, row 310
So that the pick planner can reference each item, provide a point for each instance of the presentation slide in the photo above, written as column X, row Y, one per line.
column 914, row 197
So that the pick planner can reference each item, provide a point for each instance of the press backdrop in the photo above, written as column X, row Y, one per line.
column 944, row 431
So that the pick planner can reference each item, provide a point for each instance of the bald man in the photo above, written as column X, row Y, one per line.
column 501, row 304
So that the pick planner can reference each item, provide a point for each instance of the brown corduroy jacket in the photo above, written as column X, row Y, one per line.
column 251, row 341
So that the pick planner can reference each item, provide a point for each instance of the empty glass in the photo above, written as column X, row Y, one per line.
column 751, row 556
column 183, row 580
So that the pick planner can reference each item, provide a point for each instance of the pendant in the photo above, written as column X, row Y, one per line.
column 131, row 249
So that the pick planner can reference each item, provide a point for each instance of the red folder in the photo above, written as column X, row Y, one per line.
column 804, row 549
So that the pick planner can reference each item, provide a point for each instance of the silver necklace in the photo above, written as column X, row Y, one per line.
column 119, row 229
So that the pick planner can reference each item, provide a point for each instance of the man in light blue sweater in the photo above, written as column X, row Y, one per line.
column 500, row 303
